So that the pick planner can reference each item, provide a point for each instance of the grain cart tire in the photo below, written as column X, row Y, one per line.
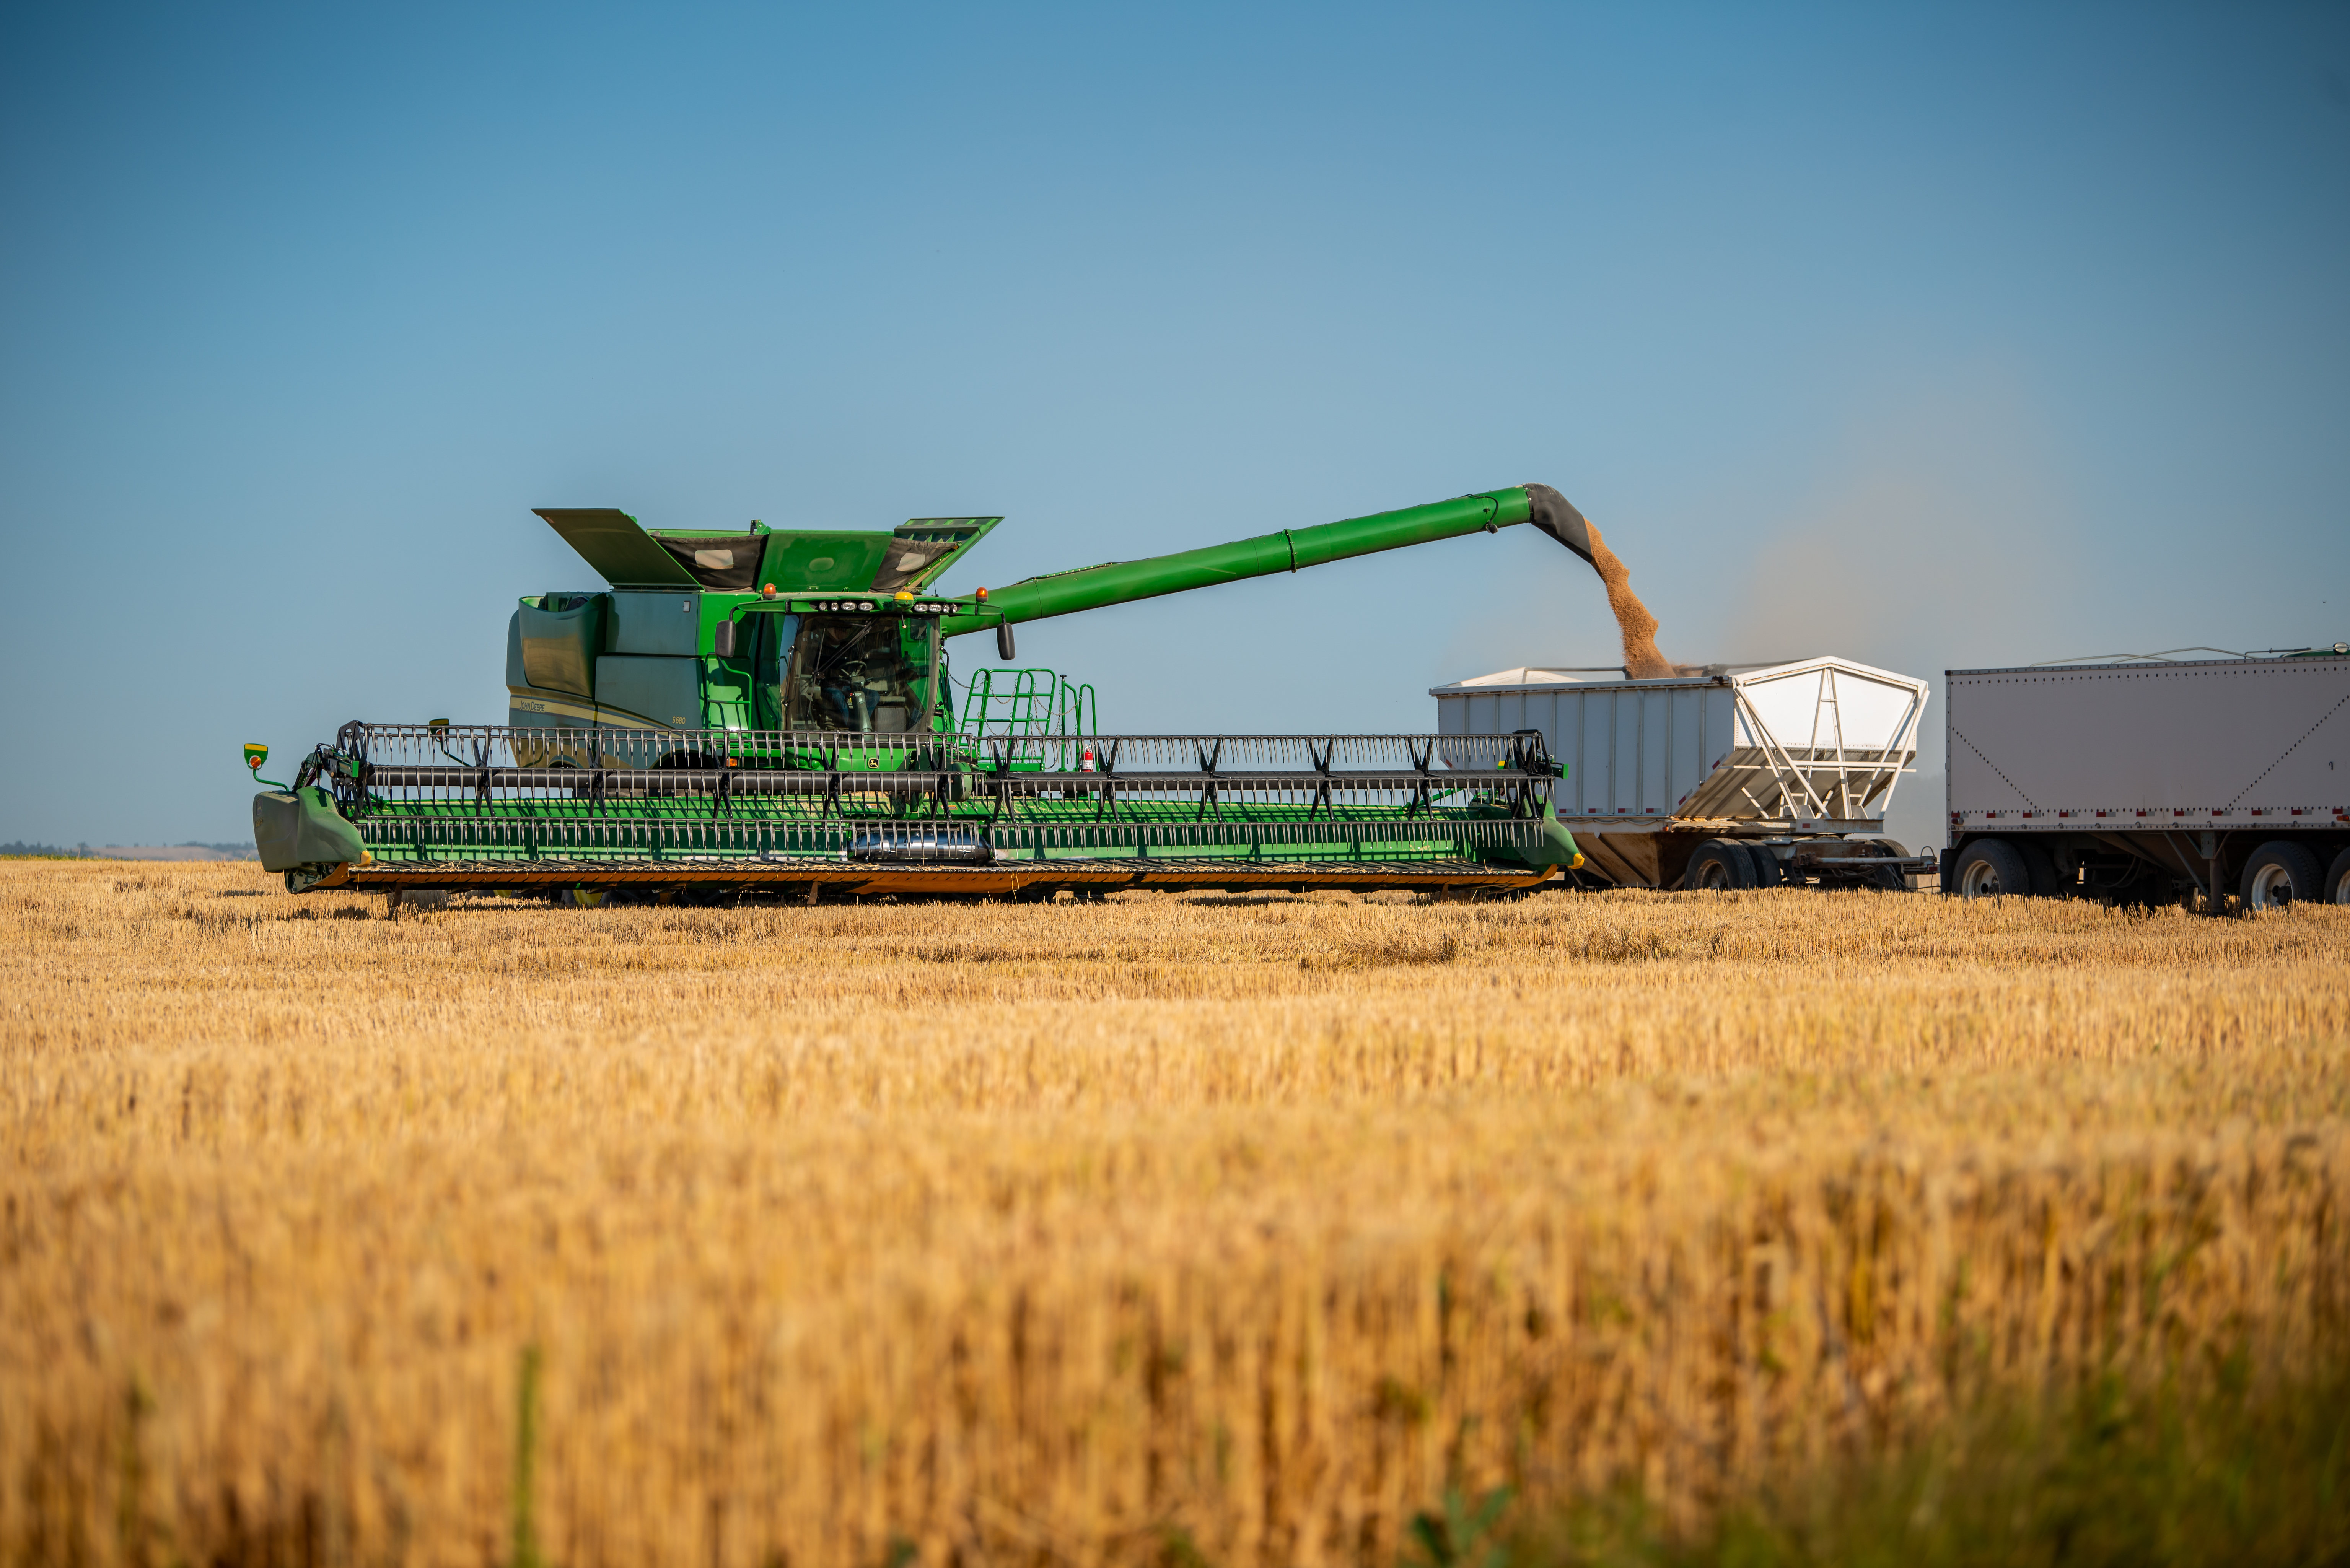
column 1884, row 878
column 1767, row 865
column 2277, row 875
column 1718, row 866
column 1991, row 868
column 2337, row 879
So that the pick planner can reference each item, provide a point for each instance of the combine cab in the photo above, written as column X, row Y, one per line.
column 775, row 712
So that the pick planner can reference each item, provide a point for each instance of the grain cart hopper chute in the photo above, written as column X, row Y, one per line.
column 773, row 710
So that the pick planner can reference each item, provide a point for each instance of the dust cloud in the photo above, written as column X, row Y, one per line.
column 1642, row 658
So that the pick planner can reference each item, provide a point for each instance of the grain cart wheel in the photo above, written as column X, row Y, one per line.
column 1991, row 868
column 2337, row 879
column 1884, row 878
column 2277, row 875
column 1720, row 866
column 1767, row 873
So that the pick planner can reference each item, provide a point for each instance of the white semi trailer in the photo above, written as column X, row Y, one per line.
column 1735, row 776
column 2148, row 781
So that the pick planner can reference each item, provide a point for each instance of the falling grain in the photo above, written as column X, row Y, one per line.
column 1642, row 658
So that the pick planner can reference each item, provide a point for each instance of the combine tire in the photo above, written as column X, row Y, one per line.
column 1718, row 866
column 2279, row 874
column 2337, row 879
column 1991, row 868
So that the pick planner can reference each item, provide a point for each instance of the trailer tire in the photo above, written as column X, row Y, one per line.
column 2337, row 879
column 2040, row 867
column 1884, row 878
column 1718, row 866
column 1991, row 868
column 1767, row 865
column 2278, row 874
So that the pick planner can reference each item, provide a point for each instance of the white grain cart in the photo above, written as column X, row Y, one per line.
column 1735, row 776
column 2145, row 780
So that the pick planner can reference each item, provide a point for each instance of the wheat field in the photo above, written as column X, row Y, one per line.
column 1077, row 1233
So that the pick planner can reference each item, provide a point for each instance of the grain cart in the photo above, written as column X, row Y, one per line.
column 1726, row 777
column 771, row 710
column 2147, row 780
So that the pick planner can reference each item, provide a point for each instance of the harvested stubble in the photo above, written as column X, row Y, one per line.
column 1030, row 1233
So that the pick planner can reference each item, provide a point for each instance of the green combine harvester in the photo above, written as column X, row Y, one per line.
column 774, row 711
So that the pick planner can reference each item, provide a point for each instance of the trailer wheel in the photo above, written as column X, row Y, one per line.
column 2278, row 874
column 1884, row 878
column 2337, row 879
column 1991, row 868
column 1718, row 866
column 2040, row 867
column 1767, row 873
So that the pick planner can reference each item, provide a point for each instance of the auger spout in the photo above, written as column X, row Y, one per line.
column 1289, row 550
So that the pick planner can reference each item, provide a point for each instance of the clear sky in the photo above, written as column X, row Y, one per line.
column 1934, row 338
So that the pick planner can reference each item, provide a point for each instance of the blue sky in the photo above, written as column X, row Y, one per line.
column 1931, row 337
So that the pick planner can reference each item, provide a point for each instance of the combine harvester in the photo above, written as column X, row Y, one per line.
column 773, row 711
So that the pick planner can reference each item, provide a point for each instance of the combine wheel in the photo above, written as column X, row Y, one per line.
column 1720, row 866
column 584, row 897
column 2277, row 875
column 2337, row 879
column 1991, row 868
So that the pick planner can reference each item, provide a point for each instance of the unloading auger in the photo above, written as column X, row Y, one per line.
column 773, row 711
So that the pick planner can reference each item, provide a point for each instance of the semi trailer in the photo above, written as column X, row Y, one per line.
column 2150, row 780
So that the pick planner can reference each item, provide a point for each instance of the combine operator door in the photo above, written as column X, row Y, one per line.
column 851, row 674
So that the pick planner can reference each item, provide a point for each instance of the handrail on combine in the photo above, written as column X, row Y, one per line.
column 1029, row 703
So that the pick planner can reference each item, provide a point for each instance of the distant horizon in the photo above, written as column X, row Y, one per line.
column 20, row 847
